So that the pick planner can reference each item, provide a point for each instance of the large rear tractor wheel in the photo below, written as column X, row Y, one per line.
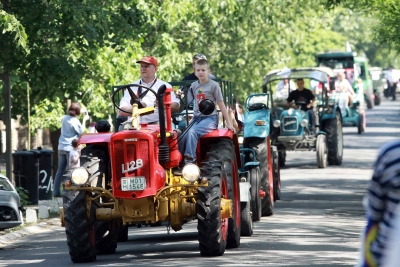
column 96, row 159
column 224, row 151
column 92, row 154
column 212, row 229
column 276, row 170
column 321, row 151
column 334, row 139
column 123, row 233
column 79, row 226
column 260, row 146
column 255, row 193
column 106, row 237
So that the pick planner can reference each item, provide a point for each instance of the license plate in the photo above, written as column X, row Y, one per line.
column 133, row 183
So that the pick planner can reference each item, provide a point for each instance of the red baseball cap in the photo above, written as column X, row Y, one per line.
column 148, row 59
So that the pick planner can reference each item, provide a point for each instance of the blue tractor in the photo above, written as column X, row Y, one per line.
column 290, row 129
column 261, row 159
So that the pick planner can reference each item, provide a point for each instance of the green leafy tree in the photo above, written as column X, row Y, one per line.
column 383, row 32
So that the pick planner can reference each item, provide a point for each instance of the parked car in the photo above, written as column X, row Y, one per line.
column 10, row 205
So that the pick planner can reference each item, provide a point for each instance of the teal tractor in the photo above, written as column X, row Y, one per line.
column 354, row 114
column 290, row 128
column 260, row 157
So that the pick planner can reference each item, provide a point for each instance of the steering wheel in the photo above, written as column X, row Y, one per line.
column 300, row 103
column 134, row 99
column 257, row 106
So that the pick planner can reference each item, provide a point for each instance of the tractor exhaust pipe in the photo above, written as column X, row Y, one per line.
column 163, row 148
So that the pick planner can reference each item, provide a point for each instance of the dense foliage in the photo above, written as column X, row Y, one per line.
column 78, row 49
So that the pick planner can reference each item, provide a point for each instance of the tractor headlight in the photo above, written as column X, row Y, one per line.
column 240, row 139
column 191, row 172
column 79, row 176
column 277, row 123
column 304, row 123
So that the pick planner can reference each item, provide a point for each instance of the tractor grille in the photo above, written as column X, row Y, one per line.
column 7, row 214
column 290, row 124
column 132, row 152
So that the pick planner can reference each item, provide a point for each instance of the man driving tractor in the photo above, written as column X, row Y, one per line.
column 306, row 96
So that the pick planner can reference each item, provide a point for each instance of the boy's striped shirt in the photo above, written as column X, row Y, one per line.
column 384, row 194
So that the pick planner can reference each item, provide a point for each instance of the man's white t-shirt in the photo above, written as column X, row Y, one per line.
column 149, row 98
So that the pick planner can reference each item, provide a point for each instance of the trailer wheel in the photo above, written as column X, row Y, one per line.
column 276, row 173
column 321, row 151
column 247, row 221
column 255, row 193
column 260, row 146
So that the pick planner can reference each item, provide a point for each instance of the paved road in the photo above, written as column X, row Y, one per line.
column 317, row 222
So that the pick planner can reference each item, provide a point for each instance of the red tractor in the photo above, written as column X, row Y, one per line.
column 127, row 178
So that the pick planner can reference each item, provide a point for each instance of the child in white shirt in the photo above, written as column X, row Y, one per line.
column 74, row 155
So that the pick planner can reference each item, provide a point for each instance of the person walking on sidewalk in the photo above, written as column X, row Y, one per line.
column 391, row 83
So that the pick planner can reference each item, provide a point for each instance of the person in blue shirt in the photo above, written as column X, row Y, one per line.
column 71, row 128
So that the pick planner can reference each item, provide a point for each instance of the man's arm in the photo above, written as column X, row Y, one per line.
column 289, row 99
column 175, row 102
column 311, row 102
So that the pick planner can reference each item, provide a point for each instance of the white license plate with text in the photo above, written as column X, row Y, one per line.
column 133, row 183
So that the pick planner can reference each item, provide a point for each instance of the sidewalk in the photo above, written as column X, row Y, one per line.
column 44, row 224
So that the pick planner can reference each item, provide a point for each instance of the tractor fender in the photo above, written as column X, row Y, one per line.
column 329, row 114
column 223, row 133
column 95, row 138
column 244, row 191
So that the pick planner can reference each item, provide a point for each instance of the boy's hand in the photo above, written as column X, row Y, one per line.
column 230, row 127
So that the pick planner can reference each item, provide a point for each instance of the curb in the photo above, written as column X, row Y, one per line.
column 43, row 226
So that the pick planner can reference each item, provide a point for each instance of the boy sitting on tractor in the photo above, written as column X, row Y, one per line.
column 204, row 88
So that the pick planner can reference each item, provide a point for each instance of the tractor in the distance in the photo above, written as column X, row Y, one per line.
column 290, row 126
